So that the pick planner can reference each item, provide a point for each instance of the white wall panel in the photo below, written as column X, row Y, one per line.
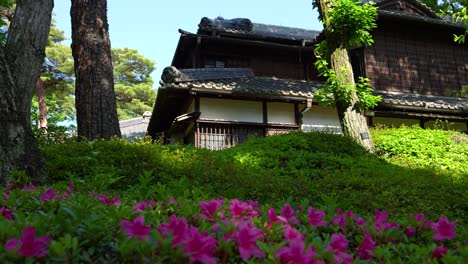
column 323, row 119
column 231, row 110
column 281, row 113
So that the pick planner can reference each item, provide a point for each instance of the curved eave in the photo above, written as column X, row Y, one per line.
column 445, row 113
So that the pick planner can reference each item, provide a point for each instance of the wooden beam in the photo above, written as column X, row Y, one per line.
column 197, row 103
column 265, row 112
column 297, row 115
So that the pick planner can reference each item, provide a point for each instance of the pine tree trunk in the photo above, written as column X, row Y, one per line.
column 42, row 121
column 353, row 122
column 20, row 66
column 96, row 108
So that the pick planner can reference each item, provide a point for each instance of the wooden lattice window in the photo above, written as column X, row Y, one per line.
column 221, row 136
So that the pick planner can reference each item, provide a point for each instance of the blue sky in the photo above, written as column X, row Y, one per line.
column 150, row 26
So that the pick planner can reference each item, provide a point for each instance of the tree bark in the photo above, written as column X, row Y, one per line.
column 353, row 122
column 20, row 66
column 96, row 108
column 42, row 120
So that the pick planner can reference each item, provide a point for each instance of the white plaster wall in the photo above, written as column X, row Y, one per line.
column 231, row 110
column 323, row 119
column 280, row 113
column 394, row 122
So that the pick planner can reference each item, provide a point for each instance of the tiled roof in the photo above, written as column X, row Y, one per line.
column 241, row 81
column 172, row 74
column 425, row 101
column 244, row 26
column 135, row 127
column 237, row 81
column 428, row 20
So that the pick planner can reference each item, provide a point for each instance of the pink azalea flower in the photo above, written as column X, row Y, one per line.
column 7, row 213
column 292, row 234
column 140, row 207
column 49, row 195
column 316, row 217
column 295, row 253
column 439, row 252
column 105, row 200
column 178, row 227
column 29, row 188
column 409, row 231
column 380, row 221
column 360, row 221
column 340, row 219
column 272, row 217
column 366, row 249
column 31, row 245
column 420, row 217
column 444, row 229
column 71, row 187
column 288, row 216
column 341, row 257
column 210, row 208
column 200, row 247
column 299, row 209
column 427, row 224
column 338, row 243
column 215, row 228
column 136, row 228
column 255, row 205
column 247, row 237
column 242, row 210
column 65, row 195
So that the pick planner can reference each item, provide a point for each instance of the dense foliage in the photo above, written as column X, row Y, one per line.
column 461, row 17
column 132, row 80
column 74, row 225
column 445, row 6
column 58, row 81
column 133, row 83
column 313, row 166
column 322, row 198
column 444, row 152
column 348, row 24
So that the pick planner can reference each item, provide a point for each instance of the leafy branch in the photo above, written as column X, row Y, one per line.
column 461, row 17
column 350, row 23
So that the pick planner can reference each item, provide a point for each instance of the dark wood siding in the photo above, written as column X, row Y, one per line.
column 287, row 62
column 416, row 61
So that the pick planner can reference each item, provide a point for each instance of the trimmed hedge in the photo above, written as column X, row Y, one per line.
column 326, row 169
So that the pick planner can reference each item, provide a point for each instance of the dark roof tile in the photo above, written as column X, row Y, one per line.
column 244, row 82
column 243, row 26
column 424, row 101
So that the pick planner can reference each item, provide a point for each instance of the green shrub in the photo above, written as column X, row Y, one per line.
column 444, row 152
column 322, row 168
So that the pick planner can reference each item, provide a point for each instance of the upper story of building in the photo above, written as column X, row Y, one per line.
column 414, row 51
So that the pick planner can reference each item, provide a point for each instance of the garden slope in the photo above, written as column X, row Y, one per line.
column 329, row 170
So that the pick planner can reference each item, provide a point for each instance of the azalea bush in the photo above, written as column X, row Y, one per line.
column 328, row 169
column 71, row 224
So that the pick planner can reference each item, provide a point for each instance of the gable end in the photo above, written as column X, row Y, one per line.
column 409, row 7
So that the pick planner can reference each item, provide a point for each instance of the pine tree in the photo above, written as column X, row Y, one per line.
column 20, row 66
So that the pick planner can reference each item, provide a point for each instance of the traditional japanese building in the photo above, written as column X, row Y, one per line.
column 234, row 78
